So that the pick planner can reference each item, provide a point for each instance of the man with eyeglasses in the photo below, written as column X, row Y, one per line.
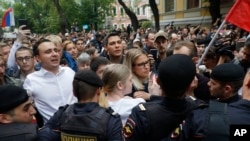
column 11, row 65
column 16, row 115
column 25, row 61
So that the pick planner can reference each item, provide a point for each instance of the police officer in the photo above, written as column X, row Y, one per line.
column 16, row 115
column 153, row 121
column 84, row 120
column 211, row 122
column 225, row 82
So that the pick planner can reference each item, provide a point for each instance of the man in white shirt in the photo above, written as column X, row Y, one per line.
column 51, row 87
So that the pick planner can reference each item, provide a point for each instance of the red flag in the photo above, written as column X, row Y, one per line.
column 239, row 14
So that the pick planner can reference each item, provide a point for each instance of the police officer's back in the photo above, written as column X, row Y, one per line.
column 155, row 120
column 16, row 115
column 84, row 120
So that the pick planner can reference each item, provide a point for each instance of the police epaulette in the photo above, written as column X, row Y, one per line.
column 142, row 108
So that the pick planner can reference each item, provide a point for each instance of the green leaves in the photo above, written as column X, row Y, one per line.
column 44, row 16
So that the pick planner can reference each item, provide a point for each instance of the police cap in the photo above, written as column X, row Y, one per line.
column 11, row 97
column 227, row 72
column 89, row 77
column 176, row 72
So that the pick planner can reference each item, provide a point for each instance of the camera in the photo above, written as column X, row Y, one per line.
column 224, row 48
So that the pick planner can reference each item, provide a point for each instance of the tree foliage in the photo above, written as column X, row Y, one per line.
column 53, row 16
column 146, row 24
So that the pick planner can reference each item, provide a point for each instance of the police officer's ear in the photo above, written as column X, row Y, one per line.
column 228, row 89
column 5, row 118
column 98, row 91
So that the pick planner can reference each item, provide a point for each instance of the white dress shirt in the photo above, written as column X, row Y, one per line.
column 124, row 106
column 50, row 91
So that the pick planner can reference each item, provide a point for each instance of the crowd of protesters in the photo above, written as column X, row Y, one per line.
column 125, row 85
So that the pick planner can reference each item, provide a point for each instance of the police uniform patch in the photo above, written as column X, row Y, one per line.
column 128, row 128
column 71, row 137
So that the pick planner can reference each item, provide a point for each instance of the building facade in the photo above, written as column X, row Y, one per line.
column 183, row 12
column 119, row 19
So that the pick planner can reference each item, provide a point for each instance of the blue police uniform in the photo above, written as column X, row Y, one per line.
column 195, row 127
column 18, row 132
column 52, row 129
column 232, row 99
column 153, row 121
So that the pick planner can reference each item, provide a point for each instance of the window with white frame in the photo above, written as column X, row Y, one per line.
column 122, row 12
column 169, row 5
column 144, row 10
column 138, row 11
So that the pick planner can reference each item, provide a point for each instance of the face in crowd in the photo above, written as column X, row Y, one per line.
column 25, row 60
column 114, row 46
column 49, row 56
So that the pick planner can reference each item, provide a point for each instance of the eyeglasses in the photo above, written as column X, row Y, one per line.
column 143, row 64
column 26, row 58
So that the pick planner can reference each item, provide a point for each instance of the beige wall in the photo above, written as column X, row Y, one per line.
column 183, row 16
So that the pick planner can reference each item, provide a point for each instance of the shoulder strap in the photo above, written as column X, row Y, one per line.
column 217, row 121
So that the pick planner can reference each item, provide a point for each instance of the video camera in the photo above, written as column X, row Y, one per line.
column 224, row 47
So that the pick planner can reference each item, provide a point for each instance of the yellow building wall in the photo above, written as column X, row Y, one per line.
column 181, row 15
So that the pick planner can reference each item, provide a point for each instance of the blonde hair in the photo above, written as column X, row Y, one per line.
column 66, row 43
column 129, row 60
column 57, row 40
column 103, row 101
column 111, row 75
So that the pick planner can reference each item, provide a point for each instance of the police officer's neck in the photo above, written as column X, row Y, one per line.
column 175, row 98
column 227, row 96
column 94, row 99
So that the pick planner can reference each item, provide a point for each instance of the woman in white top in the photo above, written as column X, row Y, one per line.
column 117, row 81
